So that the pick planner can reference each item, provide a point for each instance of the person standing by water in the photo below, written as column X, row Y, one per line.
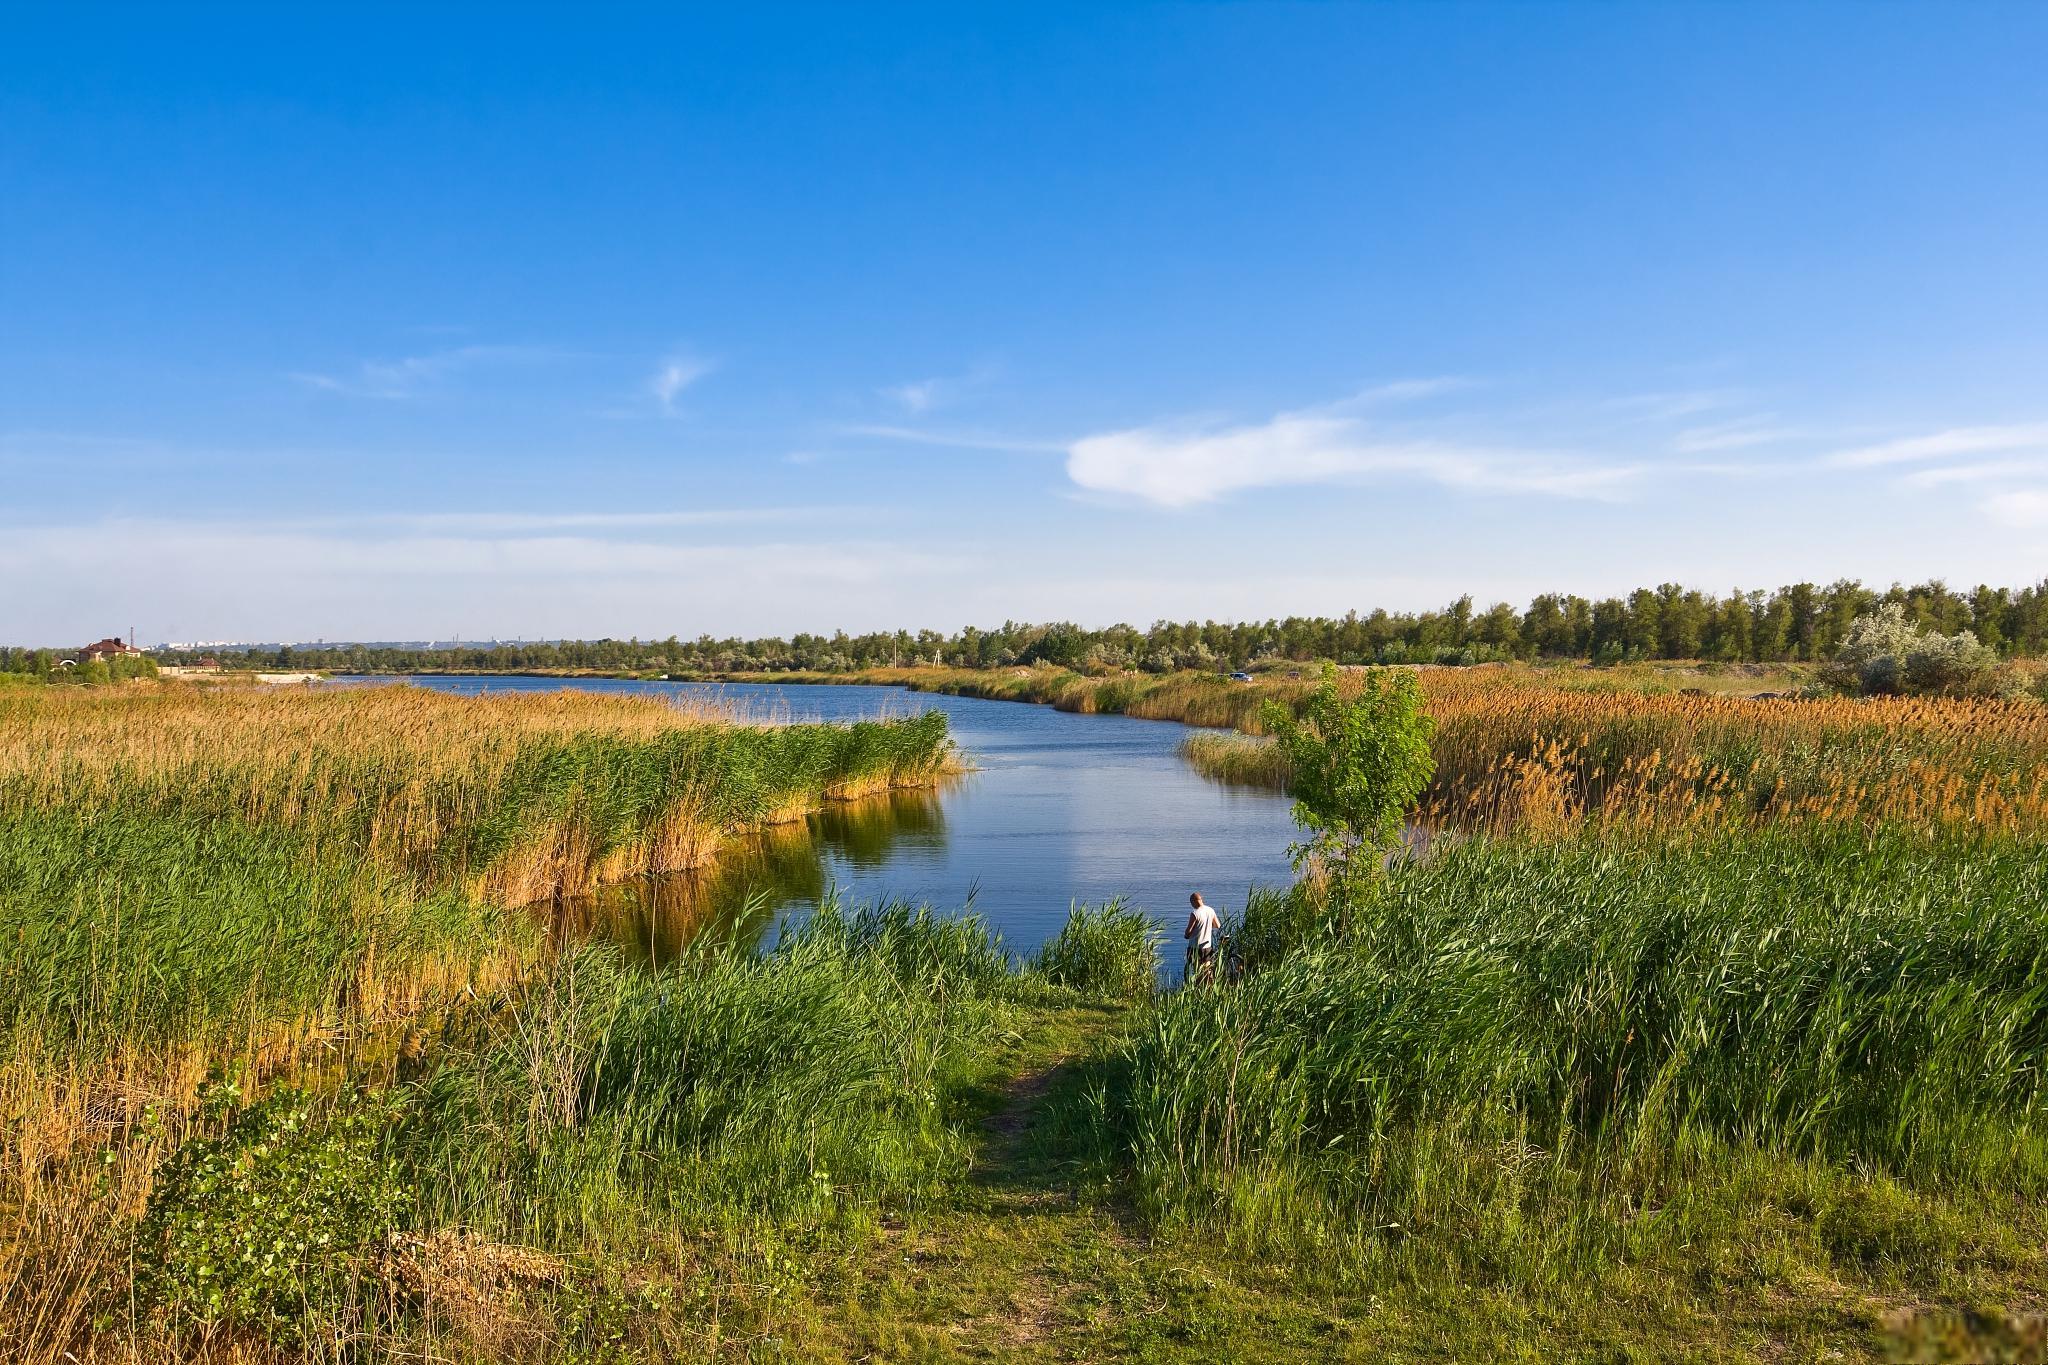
column 1204, row 924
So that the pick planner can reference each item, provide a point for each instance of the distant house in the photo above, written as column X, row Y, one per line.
column 110, row 648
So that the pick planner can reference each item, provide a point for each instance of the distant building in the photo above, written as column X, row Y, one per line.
column 112, row 647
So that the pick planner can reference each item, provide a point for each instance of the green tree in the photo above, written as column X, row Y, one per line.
column 1358, row 765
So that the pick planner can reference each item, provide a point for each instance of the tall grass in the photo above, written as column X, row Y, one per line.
column 1537, row 753
column 309, row 887
column 1110, row 949
column 1524, row 1032
column 1551, row 749
column 1238, row 760
column 725, row 1084
column 1518, row 753
column 513, row 798
column 703, row 1111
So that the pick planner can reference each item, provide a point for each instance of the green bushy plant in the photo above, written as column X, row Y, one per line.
column 1356, row 766
column 1885, row 654
column 278, row 1225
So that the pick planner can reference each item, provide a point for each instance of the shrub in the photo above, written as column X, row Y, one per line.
column 279, row 1223
column 1356, row 765
column 1884, row 654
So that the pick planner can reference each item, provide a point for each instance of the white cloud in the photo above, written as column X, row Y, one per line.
column 919, row 396
column 956, row 440
column 1401, row 391
column 518, row 523
column 1736, row 435
column 1986, row 471
column 386, row 578
column 914, row 397
column 673, row 375
column 2022, row 508
column 406, row 377
column 1660, row 407
column 1180, row 467
column 1942, row 444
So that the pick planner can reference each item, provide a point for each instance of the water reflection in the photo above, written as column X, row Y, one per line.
column 1062, row 807
column 757, row 878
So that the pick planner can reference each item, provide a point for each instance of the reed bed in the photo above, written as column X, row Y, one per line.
column 1238, row 760
column 300, row 889
column 511, row 798
column 1519, row 750
column 1107, row 950
column 695, row 1115
column 1517, row 754
column 1494, row 1064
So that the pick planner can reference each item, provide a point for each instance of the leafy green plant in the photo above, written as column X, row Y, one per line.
column 277, row 1226
column 1356, row 766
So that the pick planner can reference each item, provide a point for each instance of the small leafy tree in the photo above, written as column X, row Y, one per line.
column 1358, row 765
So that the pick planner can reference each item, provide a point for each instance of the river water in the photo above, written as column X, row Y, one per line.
column 1059, row 808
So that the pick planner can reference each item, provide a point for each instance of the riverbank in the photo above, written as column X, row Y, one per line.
column 885, row 1143
column 236, row 893
column 281, row 1081
column 1559, row 749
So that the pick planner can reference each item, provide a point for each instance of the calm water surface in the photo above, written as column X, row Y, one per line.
column 1060, row 808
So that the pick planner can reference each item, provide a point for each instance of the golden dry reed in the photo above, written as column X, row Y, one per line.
column 1514, row 751
column 511, row 798
column 1554, row 749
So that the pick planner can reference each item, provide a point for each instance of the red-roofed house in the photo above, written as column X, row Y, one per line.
column 109, row 648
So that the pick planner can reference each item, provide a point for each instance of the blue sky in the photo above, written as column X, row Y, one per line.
column 402, row 322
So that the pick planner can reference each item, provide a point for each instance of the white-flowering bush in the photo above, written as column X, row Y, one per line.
column 1885, row 654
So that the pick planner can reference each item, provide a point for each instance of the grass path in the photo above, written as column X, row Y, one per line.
column 1038, row 1257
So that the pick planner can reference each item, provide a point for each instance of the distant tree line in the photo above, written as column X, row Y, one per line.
column 1800, row 622
column 49, row 665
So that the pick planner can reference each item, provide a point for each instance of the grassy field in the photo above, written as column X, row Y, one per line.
column 286, row 1080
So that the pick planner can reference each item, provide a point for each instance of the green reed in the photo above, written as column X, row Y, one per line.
column 1575, row 1022
column 1241, row 760
column 1105, row 950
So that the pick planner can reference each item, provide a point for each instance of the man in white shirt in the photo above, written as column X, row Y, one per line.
column 1204, row 925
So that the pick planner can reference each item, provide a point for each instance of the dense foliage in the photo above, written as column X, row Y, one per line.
column 1610, row 1010
column 1357, row 759
column 1886, row 654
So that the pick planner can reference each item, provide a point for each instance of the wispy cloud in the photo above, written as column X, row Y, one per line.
column 955, row 440
column 1743, row 433
column 383, row 576
column 1179, row 466
column 1668, row 406
column 1984, row 471
column 675, row 374
column 1400, row 391
column 920, row 396
column 410, row 375
column 916, row 397
column 525, row 523
column 1941, row 445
